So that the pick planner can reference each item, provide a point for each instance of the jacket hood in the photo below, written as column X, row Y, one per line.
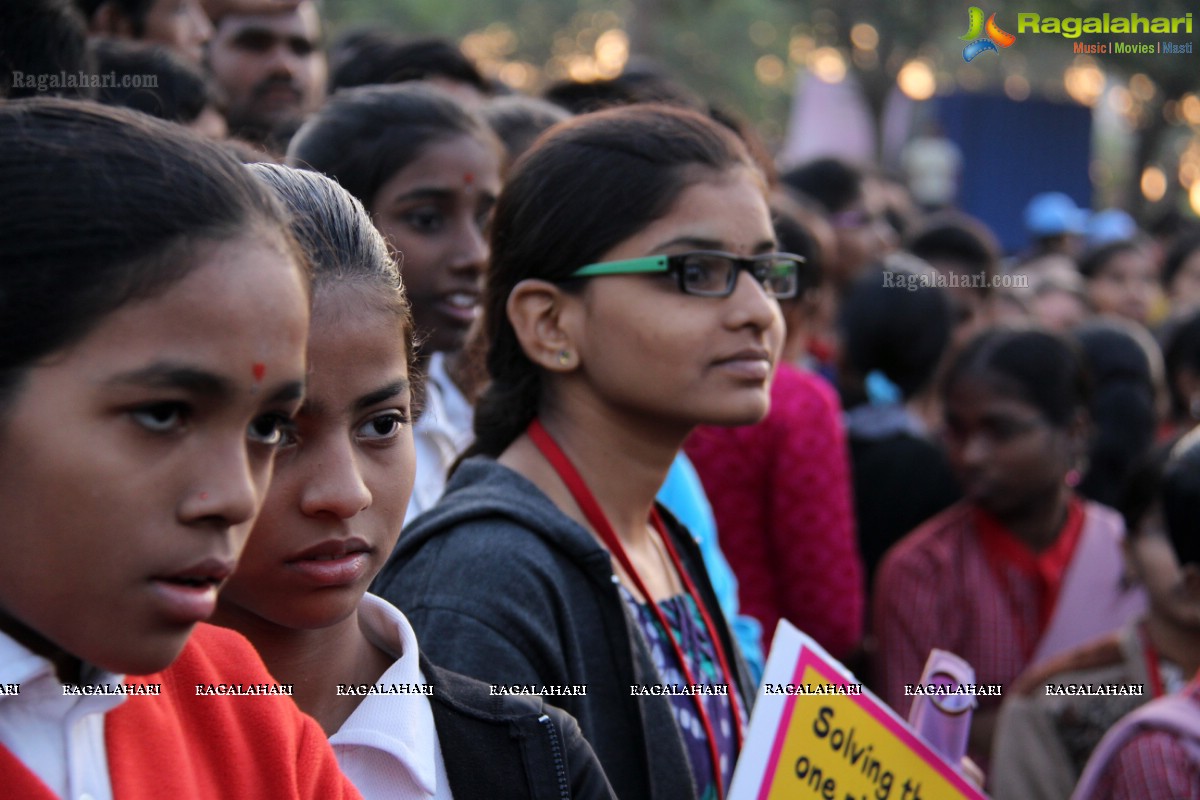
column 482, row 489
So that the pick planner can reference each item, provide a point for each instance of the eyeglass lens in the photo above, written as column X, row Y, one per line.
column 715, row 274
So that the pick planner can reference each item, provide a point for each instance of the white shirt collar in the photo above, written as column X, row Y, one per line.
column 398, row 725
column 58, row 737
column 20, row 665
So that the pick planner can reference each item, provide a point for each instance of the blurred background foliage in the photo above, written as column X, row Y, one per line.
column 747, row 56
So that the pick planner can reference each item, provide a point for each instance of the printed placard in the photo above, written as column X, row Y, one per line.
column 816, row 733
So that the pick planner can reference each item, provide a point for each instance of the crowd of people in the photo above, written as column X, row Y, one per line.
column 369, row 428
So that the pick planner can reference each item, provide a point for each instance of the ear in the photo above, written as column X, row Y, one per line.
column 109, row 20
column 1130, row 574
column 540, row 314
column 1187, row 384
column 1079, row 434
column 1191, row 579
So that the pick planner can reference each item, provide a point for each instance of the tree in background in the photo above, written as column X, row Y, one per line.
column 745, row 54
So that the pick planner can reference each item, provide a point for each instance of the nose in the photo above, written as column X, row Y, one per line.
column 471, row 250
column 282, row 62
column 335, row 485
column 884, row 236
column 750, row 304
column 201, row 27
column 974, row 450
column 229, row 487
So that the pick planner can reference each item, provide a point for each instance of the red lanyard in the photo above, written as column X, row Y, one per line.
column 595, row 515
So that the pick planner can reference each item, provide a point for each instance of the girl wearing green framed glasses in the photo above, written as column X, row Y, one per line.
column 630, row 298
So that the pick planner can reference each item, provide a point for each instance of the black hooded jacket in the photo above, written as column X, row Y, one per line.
column 502, row 586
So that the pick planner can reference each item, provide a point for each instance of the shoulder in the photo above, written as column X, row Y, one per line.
column 1102, row 519
column 935, row 543
column 463, row 696
column 1087, row 663
column 795, row 392
column 482, row 552
column 213, row 651
column 1152, row 763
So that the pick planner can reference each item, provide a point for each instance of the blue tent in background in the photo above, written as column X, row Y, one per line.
column 1014, row 150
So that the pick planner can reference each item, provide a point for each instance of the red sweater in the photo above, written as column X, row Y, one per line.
column 179, row 745
column 781, row 494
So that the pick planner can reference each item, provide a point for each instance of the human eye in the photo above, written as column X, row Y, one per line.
column 162, row 417
column 382, row 427
column 779, row 276
column 272, row 429
column 301, row 47
column 1006, row 429
column 706, row 273
column 426, row 220
column 254, row 41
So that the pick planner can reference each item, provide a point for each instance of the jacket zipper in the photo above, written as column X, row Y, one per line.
column 560, row 768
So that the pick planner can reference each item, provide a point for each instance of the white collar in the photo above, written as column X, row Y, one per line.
column 400, row 725
column 20, row 665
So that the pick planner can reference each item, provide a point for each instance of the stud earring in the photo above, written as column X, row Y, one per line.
column 564, row 357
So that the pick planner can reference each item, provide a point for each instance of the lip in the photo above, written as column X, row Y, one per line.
column 333, row 562
column 279, row 96
column 189, row 595
column 461, row 307
column 752, row 363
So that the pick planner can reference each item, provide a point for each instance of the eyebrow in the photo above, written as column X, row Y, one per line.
column 428, row 193
column 764, row 246
column 169, row 375
column 387, row 392
column 288, row 392
column 313, row 407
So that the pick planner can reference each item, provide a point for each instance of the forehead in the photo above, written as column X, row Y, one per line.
column 733, row 203
column 452, row 160
column 1126, row 260
column 987, row 393
column 300, row 22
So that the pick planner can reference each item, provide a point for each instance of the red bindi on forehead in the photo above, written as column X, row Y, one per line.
column 259, row 369
column 468, row 178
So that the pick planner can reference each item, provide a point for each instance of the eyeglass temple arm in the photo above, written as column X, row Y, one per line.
column 626, row 267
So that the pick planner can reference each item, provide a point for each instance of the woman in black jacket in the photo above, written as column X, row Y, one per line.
column 618, row 318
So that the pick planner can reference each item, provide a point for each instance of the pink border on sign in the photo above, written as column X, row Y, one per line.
column 808, row 658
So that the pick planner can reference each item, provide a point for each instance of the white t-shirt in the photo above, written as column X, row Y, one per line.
column 443, row 432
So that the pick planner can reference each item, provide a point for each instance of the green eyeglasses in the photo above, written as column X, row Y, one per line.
column 710, row 273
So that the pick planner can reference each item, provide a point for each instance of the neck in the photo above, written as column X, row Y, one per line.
column 67, row 667
column 622, row 460
column 314, row 662
column 1039, row 523
column 1172, row 642
column 623, row 465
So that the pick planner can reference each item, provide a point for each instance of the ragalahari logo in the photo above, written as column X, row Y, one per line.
column 995, row 36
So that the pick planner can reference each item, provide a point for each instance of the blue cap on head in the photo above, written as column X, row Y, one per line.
column 1053, row 214
column 1109, row 225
